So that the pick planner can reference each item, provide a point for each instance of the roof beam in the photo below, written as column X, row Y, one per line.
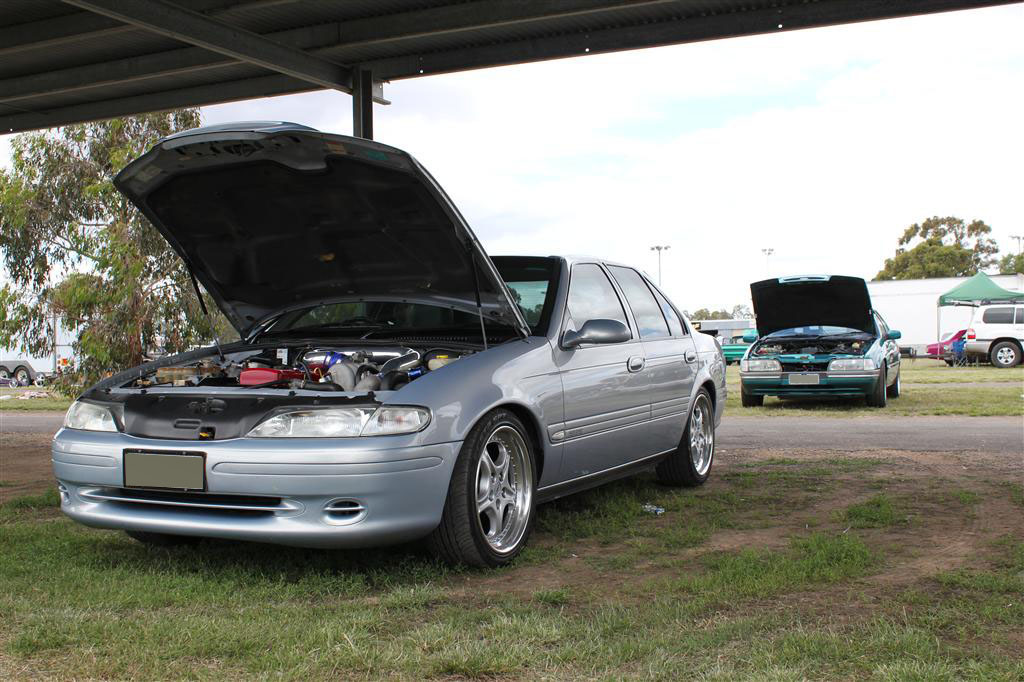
column 196, row 29
column 43, row 33
column 215, row 93
column 354, row 33
column 147, row 66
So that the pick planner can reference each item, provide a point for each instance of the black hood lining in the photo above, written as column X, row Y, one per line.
column 837, row 302
column 263, row 236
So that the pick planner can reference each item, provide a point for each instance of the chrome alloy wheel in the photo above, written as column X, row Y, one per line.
column 1006, row 355
column 702, row 435
column 504, row 488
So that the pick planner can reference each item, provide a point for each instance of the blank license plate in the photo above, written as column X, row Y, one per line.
column 804, row 379
column 178, row 471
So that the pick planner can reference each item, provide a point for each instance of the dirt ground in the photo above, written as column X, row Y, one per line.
column 24, row 464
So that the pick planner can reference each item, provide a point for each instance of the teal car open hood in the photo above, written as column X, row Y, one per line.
column 819, row 300
column 272, row 217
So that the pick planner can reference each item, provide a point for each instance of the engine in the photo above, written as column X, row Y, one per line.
column 816, row 347
column 328, row 368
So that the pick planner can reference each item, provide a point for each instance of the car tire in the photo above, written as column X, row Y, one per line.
column 690, row 464
column 4, row 373
column 491, row 504
column 749, row 400
column 22, row 376
column 879, row 394
column 894, row 390
column 1005, row 354
column 162, row 539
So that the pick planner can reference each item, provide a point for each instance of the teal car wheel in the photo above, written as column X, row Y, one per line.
column 878, row 396
column 894, row 390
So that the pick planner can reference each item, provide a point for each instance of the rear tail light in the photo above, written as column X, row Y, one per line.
column 971, row 336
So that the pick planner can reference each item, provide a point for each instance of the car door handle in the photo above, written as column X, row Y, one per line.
column 635, row 363
column 690, row 356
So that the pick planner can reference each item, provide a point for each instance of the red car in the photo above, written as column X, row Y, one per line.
column 938, row 349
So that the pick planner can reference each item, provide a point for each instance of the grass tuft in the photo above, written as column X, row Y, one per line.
column 878, row 511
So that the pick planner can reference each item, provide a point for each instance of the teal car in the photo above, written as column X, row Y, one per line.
column 734, row 349
column 818, row 336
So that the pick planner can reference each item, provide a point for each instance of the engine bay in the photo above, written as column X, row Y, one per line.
column 825, row 346
column 328, row 368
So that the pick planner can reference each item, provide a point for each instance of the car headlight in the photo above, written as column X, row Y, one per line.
column 851, row 364
column 89, row 417
column 343, row 422
column 760, row 365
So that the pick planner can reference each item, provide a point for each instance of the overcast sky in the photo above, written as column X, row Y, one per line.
column 821, row 144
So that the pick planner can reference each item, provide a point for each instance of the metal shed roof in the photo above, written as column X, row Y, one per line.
column 67, row 61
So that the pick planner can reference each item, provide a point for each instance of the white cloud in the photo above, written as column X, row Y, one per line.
column 822, row 144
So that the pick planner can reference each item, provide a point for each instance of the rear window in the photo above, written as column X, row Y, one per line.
column 998, row 316
column 1020, row 316
column 646, row 310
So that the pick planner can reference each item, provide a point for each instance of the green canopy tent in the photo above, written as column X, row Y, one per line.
column 977, row 290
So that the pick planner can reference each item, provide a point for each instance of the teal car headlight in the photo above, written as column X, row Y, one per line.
column 344, row 422
column 851, row 365
column 86, row 416
column 768, row 365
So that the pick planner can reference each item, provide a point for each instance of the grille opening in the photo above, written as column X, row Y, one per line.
column 184, row 503
column 804, row 367
column 207, row 498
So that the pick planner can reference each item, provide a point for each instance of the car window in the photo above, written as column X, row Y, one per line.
column 533, row 282
column 674, row 322
column 998, row 316
column 645, row 308
column 592, row 296
column 1020, row 316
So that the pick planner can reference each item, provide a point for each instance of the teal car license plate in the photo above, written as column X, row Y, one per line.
column 167, row 470
column 804, row 379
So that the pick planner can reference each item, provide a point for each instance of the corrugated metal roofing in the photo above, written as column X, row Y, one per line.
column 60, row 64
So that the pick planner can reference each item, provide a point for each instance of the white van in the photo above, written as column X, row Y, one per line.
column 997, row 332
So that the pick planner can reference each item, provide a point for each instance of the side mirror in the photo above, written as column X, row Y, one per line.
column 597, row 331
column 749, row 336
column 893, row 334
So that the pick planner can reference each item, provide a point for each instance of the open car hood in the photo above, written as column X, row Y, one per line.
column 790, row 302
column 276, row 216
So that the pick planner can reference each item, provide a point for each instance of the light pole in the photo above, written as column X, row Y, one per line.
column 659, row 249
column 1018, row 238
column 767, row 257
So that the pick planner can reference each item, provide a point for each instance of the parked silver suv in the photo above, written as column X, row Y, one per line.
column 998, row 333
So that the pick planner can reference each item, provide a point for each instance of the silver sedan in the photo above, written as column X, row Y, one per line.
column 391, row 380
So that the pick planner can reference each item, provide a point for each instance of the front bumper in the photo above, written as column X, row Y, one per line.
column 306, row 492
column 839, row 384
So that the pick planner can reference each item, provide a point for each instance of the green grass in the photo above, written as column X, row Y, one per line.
column 10, row 508
column 33, row 404
column 937, row 372
column 877, row 511
column 967, row 497
column 606, row 591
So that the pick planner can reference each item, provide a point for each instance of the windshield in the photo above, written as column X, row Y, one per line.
column 815, row 331
column 530, row 281
column 533, row 285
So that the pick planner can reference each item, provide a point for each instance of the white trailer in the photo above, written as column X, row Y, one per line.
column 909, row 306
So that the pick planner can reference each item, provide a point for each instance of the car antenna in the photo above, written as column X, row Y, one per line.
column 202, row 305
